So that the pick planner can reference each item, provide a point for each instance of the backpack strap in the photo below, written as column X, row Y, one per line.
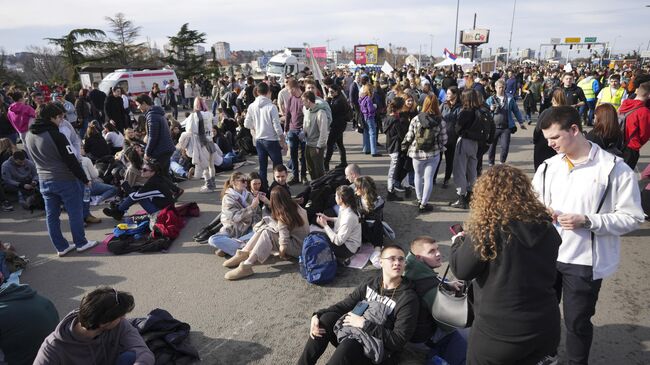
column 625, row 125
column 602, row 200
column 544, row 182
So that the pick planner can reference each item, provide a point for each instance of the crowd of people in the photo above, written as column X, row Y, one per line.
column 71, row 149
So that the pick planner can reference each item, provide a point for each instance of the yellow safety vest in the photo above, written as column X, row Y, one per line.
column 615, row 100
column 587, row 86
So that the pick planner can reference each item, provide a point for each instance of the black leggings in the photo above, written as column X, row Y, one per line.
column 347, row 352
column 335, row 137
column 449, row 160
column 483, row 349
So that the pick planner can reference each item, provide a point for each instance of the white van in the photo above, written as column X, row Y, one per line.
column 134, row 83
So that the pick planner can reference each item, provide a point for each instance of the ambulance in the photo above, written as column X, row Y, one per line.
column 134, row 83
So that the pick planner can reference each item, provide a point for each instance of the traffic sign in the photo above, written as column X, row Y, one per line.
column 572, row 40
column 645, row 54
column 590, row 39
column 556, row 40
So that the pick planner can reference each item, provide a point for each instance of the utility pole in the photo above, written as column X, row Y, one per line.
column 431, row 46
column 512, row 25
column 456, row 32
column 473, row 48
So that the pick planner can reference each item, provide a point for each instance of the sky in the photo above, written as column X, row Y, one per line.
column 275, row 24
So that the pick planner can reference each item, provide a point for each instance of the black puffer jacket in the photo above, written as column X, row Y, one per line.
column 396, row 128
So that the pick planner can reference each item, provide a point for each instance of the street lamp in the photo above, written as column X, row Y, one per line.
column 431, row 46
column 456, row 31
column 512, row 25
column 611, row 49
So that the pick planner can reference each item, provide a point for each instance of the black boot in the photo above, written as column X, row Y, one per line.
column 392, row 197
column 461, row 203
column 408, row 192
column 114, row 213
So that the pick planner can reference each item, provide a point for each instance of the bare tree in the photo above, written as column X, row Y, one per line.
column 44, row 64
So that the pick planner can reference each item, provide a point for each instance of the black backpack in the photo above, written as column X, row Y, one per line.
column 482, row 128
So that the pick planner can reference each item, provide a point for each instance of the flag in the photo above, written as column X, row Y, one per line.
column 448, row 54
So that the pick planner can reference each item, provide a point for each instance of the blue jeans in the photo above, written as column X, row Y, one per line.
column 126, row 358
column 146, row 204
column 84, row 126
column 265, row 150
column 591, row 104
column 294, row 146
column 369, row 135
column 501, row 137
column 452, row 348
column 227, row 244
column 105, row 191
column 70, row 194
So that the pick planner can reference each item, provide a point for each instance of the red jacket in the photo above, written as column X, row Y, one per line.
column 637, row 124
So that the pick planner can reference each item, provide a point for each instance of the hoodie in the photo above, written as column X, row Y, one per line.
column 402, row 303
column 514, row 294
column 263, row 117
column 19, row 115
column 53, row 155
column 425, row 281
column 63, row 346
column 27, row 318
column 160, row 141
column 637, row 124
column 316, row 125
column 16, row 175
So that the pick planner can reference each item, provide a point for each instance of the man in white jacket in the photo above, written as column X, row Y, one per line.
column 263, row 120
column 594, row 199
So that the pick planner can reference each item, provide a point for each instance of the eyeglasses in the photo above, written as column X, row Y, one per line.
column 394, row 258
column 117, row 300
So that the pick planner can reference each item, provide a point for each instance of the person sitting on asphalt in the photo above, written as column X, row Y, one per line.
column 19, row 175
column 240, row 211
column 284, row 232
column 27, row 318
column 370, row 207
column 431, row 338
column 153, row 196
column 97, row 333
column 345, row 238
column 372, row 324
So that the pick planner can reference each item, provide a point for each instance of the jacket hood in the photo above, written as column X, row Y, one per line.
column 19, row 108
column 318, row 106
column 530, row 234
column 41, row 126
column 263, row 101
column 16, row 292
column 427, row 120
column 417, row 270
column 63, row 331
column 628, row 105
column 157, row 110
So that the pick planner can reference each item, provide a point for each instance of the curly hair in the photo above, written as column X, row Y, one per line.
column 501, row 195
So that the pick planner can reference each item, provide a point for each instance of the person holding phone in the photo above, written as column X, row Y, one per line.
column 389, row 311
column 345, row 238
column 510, row 250
column 284, row 231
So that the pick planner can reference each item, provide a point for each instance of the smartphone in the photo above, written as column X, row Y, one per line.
column 360, row 308
column 456, row 229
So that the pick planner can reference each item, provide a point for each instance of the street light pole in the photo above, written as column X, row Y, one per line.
column 431, row 46
column 456, row 32
column 512, row 25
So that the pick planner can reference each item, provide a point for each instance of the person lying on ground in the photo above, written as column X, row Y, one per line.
column 97, row 333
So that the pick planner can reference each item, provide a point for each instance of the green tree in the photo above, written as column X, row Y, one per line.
column 77, row 47
column 122, row 48
column 182, row 54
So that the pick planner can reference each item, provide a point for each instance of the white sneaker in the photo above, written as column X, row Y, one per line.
column 205, row 189
column 374, row 259
column 66, row 251
column 88, row 245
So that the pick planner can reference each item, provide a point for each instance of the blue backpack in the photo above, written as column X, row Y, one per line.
column 317, row 262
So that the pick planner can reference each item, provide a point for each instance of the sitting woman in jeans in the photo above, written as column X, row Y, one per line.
column 239, row 212
column 372, row 324
column 153, row 196
column 346, row 236
column 284, row 231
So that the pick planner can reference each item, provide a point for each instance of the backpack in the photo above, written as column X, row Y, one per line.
column 317, row 262
column 622, row 123
column 481, row 128
column 427, row 138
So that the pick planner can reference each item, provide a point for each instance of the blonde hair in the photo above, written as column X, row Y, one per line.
column 501, row 195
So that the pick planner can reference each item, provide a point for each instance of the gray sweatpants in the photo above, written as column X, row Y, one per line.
column 465, row 165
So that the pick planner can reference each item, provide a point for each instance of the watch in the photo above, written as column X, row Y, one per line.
column 587, row 223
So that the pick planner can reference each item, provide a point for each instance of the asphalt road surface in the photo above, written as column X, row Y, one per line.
column 264, row 319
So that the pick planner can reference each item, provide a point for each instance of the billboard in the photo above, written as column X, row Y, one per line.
column 473, row 37
column 319, row 53
column 572, row 40
column 367, row 54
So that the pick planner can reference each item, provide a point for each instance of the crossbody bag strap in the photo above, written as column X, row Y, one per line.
column 602, row 199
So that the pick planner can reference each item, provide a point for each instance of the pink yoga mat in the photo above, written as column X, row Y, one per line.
column 360, row 259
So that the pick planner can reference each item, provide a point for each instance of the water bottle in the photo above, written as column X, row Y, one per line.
column 86, row 194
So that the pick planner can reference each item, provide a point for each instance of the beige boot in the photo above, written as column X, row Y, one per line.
column 242, row 271
column 219, row 252
column 240, row 256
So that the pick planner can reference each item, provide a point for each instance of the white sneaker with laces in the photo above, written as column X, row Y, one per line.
column 87, row 246
column 66, row 251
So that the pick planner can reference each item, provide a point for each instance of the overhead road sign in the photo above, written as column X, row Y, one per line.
column 572, row 40
column 590, row 39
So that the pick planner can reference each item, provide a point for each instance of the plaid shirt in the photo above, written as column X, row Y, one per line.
column 410, row 141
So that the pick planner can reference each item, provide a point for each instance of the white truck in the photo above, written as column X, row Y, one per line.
column 137, row 82
column 289, row 62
